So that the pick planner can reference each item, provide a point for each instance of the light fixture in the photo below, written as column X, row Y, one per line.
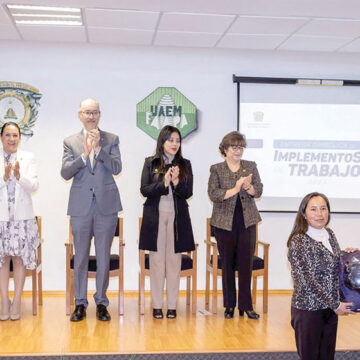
column 45, row 15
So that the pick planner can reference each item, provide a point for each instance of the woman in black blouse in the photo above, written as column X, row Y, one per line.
column 314, row 255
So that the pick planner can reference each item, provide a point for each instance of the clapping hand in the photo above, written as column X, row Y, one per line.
column 167, row 178
column 175, row 171
column 87, row 145
column 247, row 182
column 94, row 136
column 17, row 170
column 7, row 173
column 243, row 182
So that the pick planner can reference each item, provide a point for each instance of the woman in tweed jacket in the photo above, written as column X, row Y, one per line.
column 233, row 185
column 314, row 255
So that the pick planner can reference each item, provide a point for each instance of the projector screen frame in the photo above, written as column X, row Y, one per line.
column 290, row 81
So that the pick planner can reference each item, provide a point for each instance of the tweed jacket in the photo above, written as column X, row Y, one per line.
column 315, row 272
column 222, row 179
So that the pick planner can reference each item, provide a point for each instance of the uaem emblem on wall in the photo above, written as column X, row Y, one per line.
column 166, row 106
column 19, row 103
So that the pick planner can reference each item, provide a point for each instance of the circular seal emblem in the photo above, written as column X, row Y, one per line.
column 19, row 103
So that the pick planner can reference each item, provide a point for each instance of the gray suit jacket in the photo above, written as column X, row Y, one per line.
column 221, row 179
column 88, row 181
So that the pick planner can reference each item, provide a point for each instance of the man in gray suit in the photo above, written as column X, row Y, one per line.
column 91, row 158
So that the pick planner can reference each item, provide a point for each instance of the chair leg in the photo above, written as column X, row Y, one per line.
column 34, row 292
column 214, row 294
column 40, row 289
column 207, row 289
column 121, row 295
column 254, row 289
column 69, row 292
column 194, row 294
column 188, row 285
column 265, row 294
column 142, row 294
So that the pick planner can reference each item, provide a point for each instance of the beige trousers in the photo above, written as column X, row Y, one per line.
column 165, row 264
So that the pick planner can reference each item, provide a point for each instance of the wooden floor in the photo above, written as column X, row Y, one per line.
column 51, row 332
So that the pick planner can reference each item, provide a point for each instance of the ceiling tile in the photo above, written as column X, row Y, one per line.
column 120, row 36
column 8, row 32
column 195, row 22
column 173, row 38
column 313, row 43
column 266, row 25
column 53, row 33
column 141, row 20
column 353, row 46
column 4, row 17
column 308, row 8
column 264, row 42
column 338, row 28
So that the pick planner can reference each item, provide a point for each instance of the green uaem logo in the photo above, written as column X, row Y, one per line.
column 166, row 106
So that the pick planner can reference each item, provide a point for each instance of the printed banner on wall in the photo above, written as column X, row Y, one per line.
column 19, row 103
column 166, row 106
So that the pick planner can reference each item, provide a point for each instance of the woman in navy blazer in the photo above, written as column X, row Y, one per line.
column 19, row 235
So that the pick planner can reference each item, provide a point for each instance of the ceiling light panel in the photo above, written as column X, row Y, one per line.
column 45, row 15
column 122, row 19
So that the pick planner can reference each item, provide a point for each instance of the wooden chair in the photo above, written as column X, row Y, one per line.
column 116, row 268
column 36, row 274
column 188, row 270
column 213, row 267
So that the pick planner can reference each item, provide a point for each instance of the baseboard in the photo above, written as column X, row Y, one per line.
column 134, row 293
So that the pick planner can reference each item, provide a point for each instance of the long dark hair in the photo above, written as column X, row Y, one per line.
column 165, row 134
column 301, row 225
column 9, row 123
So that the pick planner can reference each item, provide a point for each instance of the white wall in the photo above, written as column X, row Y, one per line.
column 119, row 77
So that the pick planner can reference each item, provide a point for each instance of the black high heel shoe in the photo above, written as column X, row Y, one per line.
column 158, row 314
column 171, row 314
column 251, row 314
column 229, row 313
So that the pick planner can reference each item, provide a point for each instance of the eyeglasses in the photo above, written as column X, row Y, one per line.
column 236, row 147
column 93, row 113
